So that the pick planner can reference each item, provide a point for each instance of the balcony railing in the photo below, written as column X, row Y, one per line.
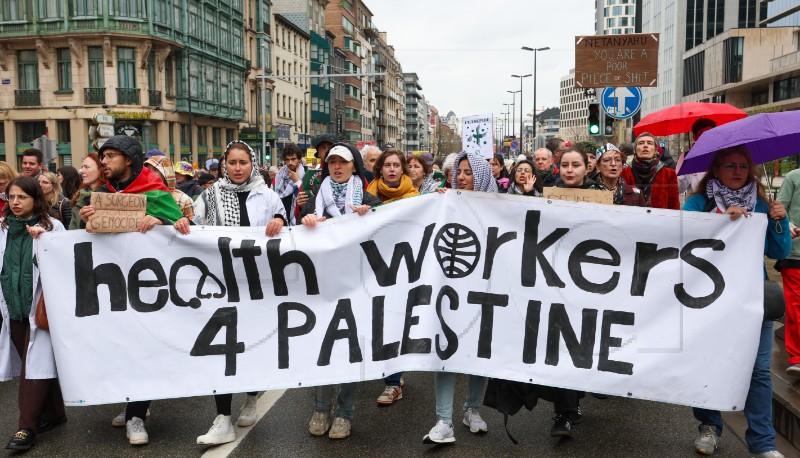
column 27, row 97
column 128, row 96
column 155, row 98
column 94, row 96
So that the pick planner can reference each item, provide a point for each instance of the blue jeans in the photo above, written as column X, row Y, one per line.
column 345, row 400
column 445, row 386
column 393, row 380
column 760, row 434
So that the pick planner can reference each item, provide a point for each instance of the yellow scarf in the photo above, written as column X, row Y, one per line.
column 380, row 189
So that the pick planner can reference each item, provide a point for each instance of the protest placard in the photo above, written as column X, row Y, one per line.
column 620, row 300
column 579, row 195
column 116, row 212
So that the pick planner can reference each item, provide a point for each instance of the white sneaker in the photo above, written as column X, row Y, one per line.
column 769, row 454
column 442, row 433
column 135, row 432
column 476, row 424
column 119, row 420
column 340, row 428
column 221, row 432
column 390, row 395
column 708, row 441
column 248, row 415
column 320, row 423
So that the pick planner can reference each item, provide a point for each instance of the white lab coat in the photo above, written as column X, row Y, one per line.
column 40, row 361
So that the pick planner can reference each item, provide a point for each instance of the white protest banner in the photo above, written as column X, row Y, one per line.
column 477, row 135
column 607, row 299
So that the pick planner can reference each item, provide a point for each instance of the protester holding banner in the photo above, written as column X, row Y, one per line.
column 500, row 173
column 125, row 173
column 391, row 177
column 421, row 174
column 92, row 177
column 240, row 198
column 59, row 205
column 659, row 184
column 313, row 177
column 162, row 166
column 24, row 337
column 609, row 167
column 341, row 193
column 731, row 186
column 288, row 179
column 7, row 175
column 525, row 182
column 471, row 173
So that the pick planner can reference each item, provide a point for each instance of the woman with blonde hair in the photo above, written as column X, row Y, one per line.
column 59, row 205
column 7, row 175
column 92, row 177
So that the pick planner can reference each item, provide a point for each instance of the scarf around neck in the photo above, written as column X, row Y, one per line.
column 17, row 273
column 725, row 197
column 381, row 189
column 618, row 191
column 335, row 199
column 222, row 200
column 644, row 172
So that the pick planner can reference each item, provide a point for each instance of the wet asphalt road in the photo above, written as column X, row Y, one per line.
column 613, row 427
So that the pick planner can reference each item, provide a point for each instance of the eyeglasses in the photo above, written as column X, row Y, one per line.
column 19, row 197
column 732, row 167
column 611, row 160
column 110, row 156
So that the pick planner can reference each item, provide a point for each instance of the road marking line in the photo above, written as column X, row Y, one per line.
column 265, row 402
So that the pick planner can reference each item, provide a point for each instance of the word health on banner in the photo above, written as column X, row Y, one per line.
column 620, row 301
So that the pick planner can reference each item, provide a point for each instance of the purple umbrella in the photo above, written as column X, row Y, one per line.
column 768, row 136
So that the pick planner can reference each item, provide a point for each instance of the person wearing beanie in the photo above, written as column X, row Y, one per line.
column 154, row 152
column 659, row 184
column 125, row 173
column 212, row 165
column 184, row 176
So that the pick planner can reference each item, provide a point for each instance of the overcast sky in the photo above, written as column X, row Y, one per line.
column 466, row 51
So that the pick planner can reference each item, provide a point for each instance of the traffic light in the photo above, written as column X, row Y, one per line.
column 608, row 126
column 594, row 118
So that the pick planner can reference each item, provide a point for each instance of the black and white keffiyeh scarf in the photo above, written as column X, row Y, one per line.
column 481, row 173
column 725, row 197
column 222, row 201
column 283, row 184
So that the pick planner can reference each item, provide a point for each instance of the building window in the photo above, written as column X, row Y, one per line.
column 346, row 4
column 64, row 134
column 760, row 96
column 734, row 49
column 28, row 70
column 126, row 67
column 347, row 25
column 64, row 63
column 96, row 78
column 14, row 10
column 786, row 89
column 51, row 9
column 693, row 73
column 694, row 23
column 86, row 8
column 169, row 76
column 130, row 8
column 716, row 18
column 747, row 13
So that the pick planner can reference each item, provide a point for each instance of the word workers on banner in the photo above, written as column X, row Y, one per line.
column 607, row 299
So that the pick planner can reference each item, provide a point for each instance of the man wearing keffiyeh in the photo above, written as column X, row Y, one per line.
column 288, row 179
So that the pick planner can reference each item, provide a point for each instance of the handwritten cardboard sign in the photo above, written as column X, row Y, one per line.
column 616, row 60
column 579, row 195
column 116, row 212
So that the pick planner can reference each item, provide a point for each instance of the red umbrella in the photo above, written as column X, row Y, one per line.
column 679, row 119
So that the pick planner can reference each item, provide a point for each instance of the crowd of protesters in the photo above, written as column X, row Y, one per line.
column 236, row 191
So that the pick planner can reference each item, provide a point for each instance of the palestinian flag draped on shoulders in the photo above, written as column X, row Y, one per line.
column 160, row 202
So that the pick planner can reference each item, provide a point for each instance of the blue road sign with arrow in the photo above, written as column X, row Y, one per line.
column 621, row 102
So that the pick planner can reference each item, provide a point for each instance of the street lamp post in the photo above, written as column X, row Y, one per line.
column 521, row 124
column 535, row 52
column 505, row 122
column 514, row 112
